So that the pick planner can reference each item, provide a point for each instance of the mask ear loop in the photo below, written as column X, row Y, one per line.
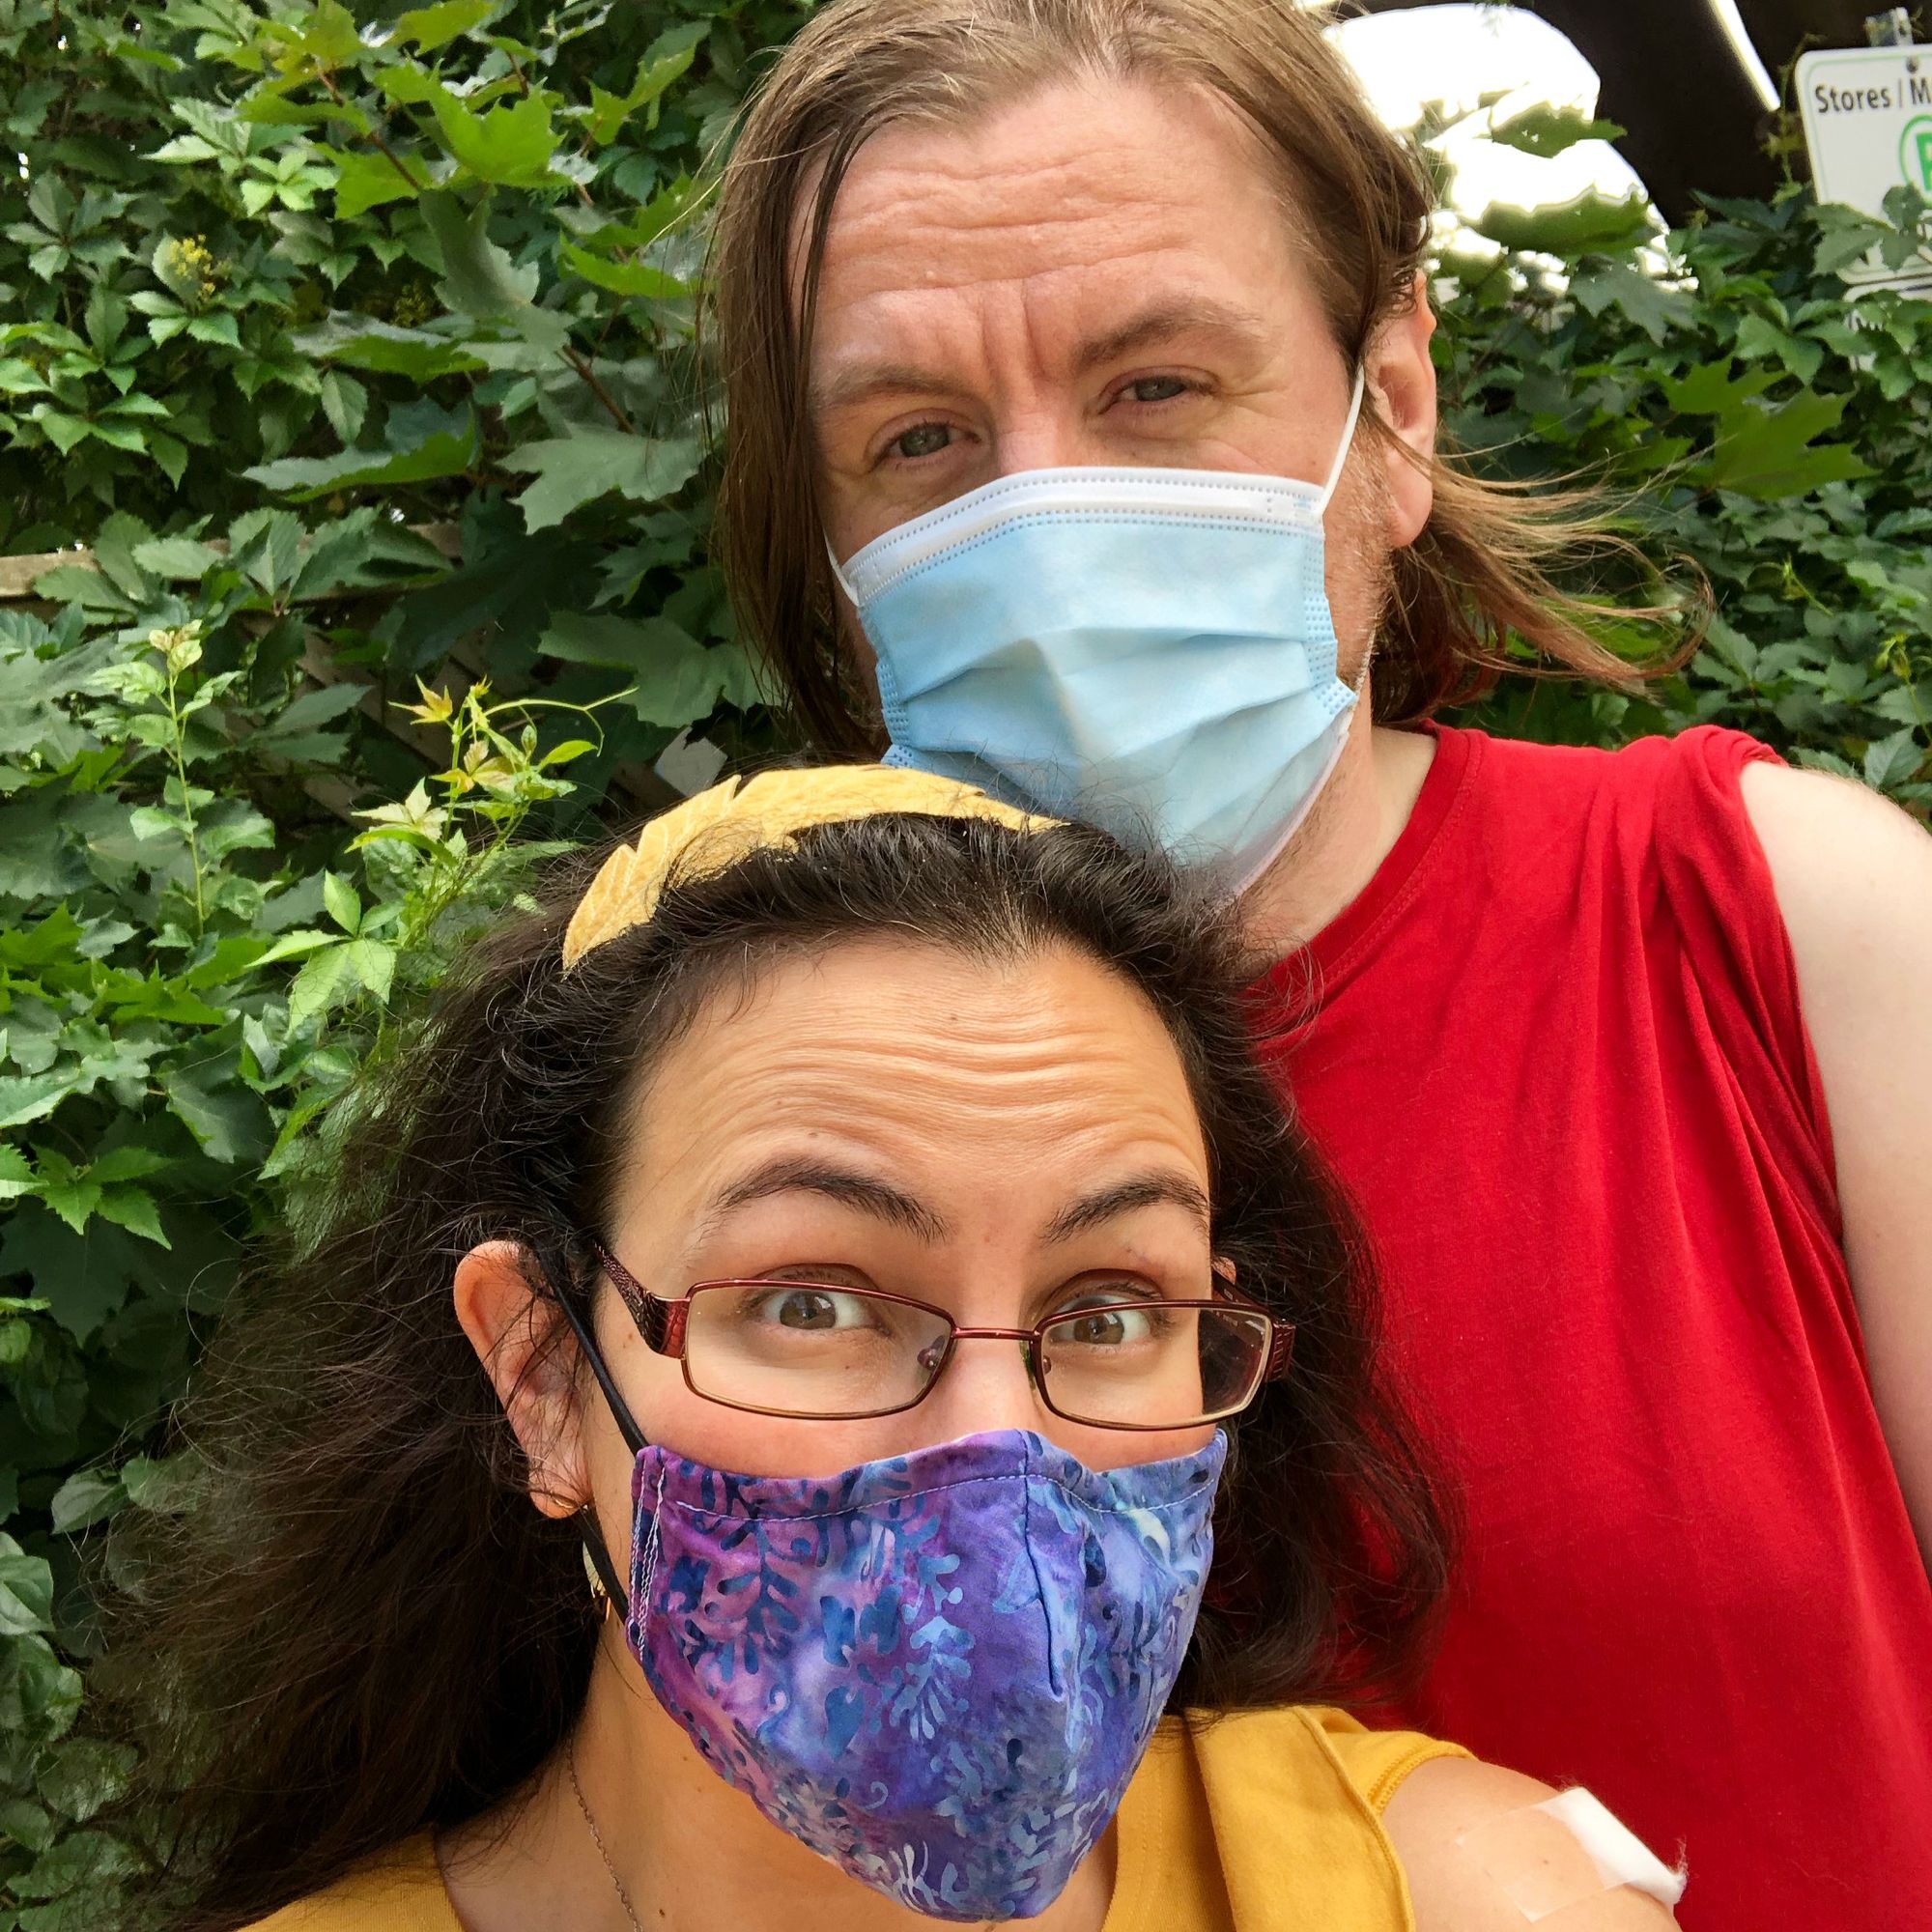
column 843, row 582
column 1347, row 438
column 594, row 1546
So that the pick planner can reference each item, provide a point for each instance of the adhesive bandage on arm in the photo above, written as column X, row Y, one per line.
column 1530, row 1855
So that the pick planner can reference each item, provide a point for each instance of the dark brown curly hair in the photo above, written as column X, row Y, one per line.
column 363, row 1628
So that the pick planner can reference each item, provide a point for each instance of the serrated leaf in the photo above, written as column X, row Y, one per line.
column 323, row 982
column 345, row 402
column 344, row 905
column 133, row 1208
column 509, row 144
column 575, row 470
column 373, row 964
column 88, row 1496
column 176, row 559
column 384, row 348
column 1893, row 760
column 623, row 279
column 16, row 1173
column 26, row 1591
column 1655, row 309
column 441, row 453
column 367, row 180
column 430, row 27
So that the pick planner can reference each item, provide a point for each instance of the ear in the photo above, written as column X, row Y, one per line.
column 1401, row 385
column 508, row 1324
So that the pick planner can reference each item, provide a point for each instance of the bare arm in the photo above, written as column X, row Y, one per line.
column 1854, row 880
column 1479, row 1859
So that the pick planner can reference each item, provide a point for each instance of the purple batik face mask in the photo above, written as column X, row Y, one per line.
column 939, row 1670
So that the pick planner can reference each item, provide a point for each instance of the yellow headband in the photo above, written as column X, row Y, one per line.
column 713, row 829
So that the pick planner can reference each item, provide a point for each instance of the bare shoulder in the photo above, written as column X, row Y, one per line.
column 1850, row 868
column 1481, row 1859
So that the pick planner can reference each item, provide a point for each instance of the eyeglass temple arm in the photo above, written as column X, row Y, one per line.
column 1281, row 1349
column 660, row 1322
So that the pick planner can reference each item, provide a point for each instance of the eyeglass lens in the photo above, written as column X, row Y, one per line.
column 808, row 1349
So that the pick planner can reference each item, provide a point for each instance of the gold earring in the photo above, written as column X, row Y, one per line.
column 599, row 1595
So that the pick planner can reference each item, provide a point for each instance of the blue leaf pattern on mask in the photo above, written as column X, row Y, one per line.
column 939, row 1670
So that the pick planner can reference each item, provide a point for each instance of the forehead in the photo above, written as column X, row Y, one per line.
column 967, row 1077
column 1069, row 190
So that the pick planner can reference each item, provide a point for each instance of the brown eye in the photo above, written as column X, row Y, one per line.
column 921, row 440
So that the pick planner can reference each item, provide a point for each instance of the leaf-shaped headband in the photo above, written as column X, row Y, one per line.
column 712, row 830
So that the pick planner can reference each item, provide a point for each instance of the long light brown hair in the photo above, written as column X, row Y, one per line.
column 1497, row 561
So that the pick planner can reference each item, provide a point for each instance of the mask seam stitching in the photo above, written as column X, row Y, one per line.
column 755, row 1514
column 1288, row 491
column 1180, row 519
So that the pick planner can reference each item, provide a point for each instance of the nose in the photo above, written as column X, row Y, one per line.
column 985, row 1387
column 1045, row 433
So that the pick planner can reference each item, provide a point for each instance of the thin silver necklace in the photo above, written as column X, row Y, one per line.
column 617, row 1884
column 597, row 1840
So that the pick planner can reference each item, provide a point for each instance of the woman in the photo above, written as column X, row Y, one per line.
column 852, row 1122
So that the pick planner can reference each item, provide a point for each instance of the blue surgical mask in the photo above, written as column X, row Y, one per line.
column 1150, row 650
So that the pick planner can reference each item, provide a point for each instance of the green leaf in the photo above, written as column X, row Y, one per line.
column 1546, row 130
column 1588, row 223
column 1758, row 337
column 447, row 452
column 667, row 59
column 80, row 1775
column 345, row 402
column 366, row 179
column 345, row 907
column 575, row 470
column 380, row 347
column 1891, row 761
column 26, row 1591
column 676, row 680
column 430, row 27
column 373, row 964
column 323, row 981
column 624, row 278
column 1771, row 452
column 510, row 144
column 479, row 277
column 176, row 559
column 1655, row 309
column 227, row 1119
column 36, row 1098
column 87, row 1497
column 16, row 1173
column 133, row 1208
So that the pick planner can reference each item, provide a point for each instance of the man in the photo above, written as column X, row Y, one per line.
column 1048, row 319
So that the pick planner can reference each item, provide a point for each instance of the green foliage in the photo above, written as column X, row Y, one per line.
column 279, row 290
column 358, row 350
column 1763, row 420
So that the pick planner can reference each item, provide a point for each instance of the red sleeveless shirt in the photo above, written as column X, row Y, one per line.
column 1558, row 1061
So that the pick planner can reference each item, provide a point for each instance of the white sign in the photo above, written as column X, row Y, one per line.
column 1868, row 124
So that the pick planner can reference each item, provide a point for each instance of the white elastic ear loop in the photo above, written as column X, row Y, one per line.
column 838, row 573
column 1347, row 438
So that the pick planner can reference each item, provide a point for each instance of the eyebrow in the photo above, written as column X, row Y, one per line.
column 1124, row 1197
column 1161, row 322
column 848, row 1187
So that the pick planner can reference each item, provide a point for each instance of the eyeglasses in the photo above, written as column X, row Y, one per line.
column 817, row 1351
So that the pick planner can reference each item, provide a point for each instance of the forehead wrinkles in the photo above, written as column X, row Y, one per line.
column 993, row 1052
column 948, row 166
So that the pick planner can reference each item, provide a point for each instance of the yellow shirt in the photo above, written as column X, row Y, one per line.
column 1269, row 1821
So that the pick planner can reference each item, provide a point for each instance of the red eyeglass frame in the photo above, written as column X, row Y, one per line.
column 663, row 1323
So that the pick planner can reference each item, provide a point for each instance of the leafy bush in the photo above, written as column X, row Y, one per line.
column 363, row 353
